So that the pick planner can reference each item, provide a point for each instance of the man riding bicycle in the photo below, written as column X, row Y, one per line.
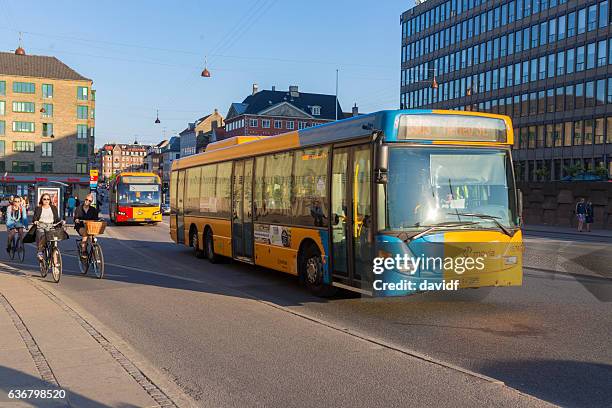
column 16, row 221
column 85, row 212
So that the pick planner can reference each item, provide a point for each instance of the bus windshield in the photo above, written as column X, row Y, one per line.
column 138, row 195
column 433, row 186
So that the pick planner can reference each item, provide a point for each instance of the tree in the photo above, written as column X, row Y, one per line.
column 602, row 172
column 542, row 173
column 573, row 169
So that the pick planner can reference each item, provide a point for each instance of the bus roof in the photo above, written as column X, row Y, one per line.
column 352, row 128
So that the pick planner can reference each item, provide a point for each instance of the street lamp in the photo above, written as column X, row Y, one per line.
column 205, row 72
column 157, row 121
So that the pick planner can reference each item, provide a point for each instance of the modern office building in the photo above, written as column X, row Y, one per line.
column 46, row 123
column 545, row 63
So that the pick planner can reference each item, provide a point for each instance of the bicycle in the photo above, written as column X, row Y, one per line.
column 52, row 257
column 93, row 256
column 17, row 247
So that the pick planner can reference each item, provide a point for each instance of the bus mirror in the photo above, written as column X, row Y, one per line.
column 382, row 163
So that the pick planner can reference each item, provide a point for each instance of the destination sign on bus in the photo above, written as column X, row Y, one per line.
column 139, row 180
column 452, row 127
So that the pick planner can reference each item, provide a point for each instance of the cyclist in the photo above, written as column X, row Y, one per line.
column 85, row 212
column 16, row 221
column 45, row 217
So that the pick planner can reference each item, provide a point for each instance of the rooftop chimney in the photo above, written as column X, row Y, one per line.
column 294, row 92
column 355, row 110
column 273, row 88
column 255, row 88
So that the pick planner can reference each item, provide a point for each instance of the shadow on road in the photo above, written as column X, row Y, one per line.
column 11, row 379
column 561, row 382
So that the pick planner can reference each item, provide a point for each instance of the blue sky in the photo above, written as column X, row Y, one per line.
column 145, row 55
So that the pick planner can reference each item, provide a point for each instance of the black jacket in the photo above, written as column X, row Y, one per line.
column 79, row 214
column 38, row 211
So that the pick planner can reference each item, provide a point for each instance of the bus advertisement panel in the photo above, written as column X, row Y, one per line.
column 386, row 204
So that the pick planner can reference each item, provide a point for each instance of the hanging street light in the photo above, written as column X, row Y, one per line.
column 206, row 72
column 157, row 118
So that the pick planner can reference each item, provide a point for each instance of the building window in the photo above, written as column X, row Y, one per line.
column 580, row 58
column 609, row 100
column 47, row 91
column 591, row 56
column 592, row 17
column 47, row 129
column 81, row 131
column 2, row 88
column 23, row 127
column 571, row 24
column 82, row 149
column 571, row 61
column 47, row 149
column 291, row 124
column 265, row 123
column 579, row 104
column 81, row 168
column 253, row 123
column 24, row 87
column 47, row 110
column 278, row 124
column 588, row 132
column 603, row 14
column 2, row 148
column 46, row 167
column 82, row 93
column 2, row 108
column 23, row 167
column 561, row 63
column 578, row 133
column 316, row 110
column 302, row 125
column 23, row 107
column 599, row 130
column 82, row 112
column 23, row 146
column 581, row 21
column 3, row 126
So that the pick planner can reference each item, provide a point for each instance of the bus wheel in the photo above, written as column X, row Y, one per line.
column 311, row 272
column 195, row 242
column 210, row 247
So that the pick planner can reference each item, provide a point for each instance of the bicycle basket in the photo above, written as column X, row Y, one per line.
column 95, row 227
column 56, row 234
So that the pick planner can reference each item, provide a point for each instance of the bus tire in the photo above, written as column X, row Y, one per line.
column 195, row 242
column 210, row 247
column 311, row 272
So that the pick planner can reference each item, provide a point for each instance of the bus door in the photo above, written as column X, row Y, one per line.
column 180, row 209
column 351, row 215
column 242, row 210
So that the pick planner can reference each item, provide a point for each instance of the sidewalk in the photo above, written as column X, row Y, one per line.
column 43, row 347
column 549, row 229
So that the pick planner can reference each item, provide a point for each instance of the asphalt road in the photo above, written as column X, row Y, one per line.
column 238, row 335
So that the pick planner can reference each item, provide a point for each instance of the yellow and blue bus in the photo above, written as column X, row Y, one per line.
column 327, row 203
column 134, row 197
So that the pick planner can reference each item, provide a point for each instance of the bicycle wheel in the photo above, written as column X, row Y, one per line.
column 83, row 262
column 97, row 261
column 21, row 252
column 56, row 264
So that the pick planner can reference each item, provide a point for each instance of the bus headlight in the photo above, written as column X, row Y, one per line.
column 157, row 213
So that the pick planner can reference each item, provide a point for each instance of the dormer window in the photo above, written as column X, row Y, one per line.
column 316, row 110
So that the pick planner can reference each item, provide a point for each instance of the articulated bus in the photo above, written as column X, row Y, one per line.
column 331, row 204
column 135, row 197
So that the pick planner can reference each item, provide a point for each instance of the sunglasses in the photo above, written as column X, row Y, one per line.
column 88, row 201
column 46, row 199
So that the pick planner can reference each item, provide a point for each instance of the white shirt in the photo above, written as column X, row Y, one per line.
column 46, row 215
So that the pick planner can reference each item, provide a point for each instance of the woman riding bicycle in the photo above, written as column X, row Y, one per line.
column 16, row 221
column 85, row 212
column 45, row 217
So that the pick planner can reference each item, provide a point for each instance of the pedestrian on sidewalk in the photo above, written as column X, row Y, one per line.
column 71, row 205
column 589, row 216
column 580, row 213
column 45, row 216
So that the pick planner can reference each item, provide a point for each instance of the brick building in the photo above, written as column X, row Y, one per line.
column 46, row 123
column 118, row 157
column 268, row 113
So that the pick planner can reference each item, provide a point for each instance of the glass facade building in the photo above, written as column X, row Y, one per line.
column 545, row 63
